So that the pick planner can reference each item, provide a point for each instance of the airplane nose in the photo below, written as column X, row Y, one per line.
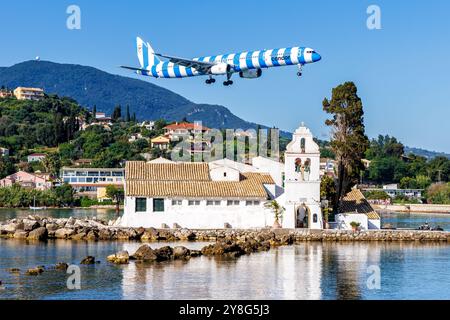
column 316, row 57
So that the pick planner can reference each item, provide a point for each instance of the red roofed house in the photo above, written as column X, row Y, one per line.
column 176, row 130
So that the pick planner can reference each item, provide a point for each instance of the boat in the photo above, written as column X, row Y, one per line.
column 34, row 208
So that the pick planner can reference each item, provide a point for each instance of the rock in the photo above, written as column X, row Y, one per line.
column 61, row 266
column 14, row 270
column 20, row 234
column 164, row 253
column 88, row 260
column 181, row 252
column 166, row 235
column 64, row 233
column 70, row 222
column 92, row 236
column 185, row 234
column 121, row 257
column 144, row 253
column 30, row 225
column 195, row 253
column 104, row 234
column 150, row 234
column 38, row 234
column 222, row 248
column 51, row 226
column 11, row 227
column 79, row 236
column 35, row 271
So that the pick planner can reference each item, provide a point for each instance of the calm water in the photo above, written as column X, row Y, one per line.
column 307, row 271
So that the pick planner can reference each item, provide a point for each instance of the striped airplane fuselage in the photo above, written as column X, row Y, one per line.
column 238, row 61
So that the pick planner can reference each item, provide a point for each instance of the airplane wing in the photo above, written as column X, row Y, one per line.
column 198, row 65
column 134, row 69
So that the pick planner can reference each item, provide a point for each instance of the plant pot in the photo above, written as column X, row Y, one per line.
column 276, row 225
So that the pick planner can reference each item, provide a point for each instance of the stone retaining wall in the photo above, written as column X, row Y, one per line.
column 35, row 228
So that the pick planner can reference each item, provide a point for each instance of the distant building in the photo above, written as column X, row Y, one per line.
column 90, row 181
column 83, row 162
column 27, row 180
column 5, row 94
column 355, row 208
column 177, row 130
column 149, row 125
column 327, row 167
column 36, row 157
column 161, row 143
column 22, row 93
column 393, row 191
column 100, row 115
column 137, row 136
column 4, row 152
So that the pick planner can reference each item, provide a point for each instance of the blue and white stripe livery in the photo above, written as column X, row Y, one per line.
column 247, row 64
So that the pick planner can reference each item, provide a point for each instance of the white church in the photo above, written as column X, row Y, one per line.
column 227, row 194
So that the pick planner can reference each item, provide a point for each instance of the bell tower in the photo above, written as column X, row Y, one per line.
column 302, row 182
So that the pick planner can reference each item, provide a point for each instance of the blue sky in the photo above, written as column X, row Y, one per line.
column 402, row 71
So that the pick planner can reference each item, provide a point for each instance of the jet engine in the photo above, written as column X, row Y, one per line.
column 251, row 74
column 220, row 68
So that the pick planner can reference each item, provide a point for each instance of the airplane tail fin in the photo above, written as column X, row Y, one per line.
column 146, row 54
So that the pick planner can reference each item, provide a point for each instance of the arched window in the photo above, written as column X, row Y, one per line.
column 307, row 169
column 315, row 218
column 303, row 145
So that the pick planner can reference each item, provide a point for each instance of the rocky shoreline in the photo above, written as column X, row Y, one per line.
column 43, row 229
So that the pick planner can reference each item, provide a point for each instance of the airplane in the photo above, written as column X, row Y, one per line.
column 248, row 65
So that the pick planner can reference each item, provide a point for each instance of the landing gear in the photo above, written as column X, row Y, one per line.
column 300, row 70
column 229, row 82
column 210, row 81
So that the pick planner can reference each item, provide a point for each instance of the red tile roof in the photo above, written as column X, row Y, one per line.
column 186, row 126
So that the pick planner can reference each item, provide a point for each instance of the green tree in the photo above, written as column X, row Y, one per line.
column 439, row 193
column 52, row 164
column 439, row 169
column 115, row 194
column 117, row 113
column 349, row 142
column 64, row 195
column 127, row 114
column 387, row 170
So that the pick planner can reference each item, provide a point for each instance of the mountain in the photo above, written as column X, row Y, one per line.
column 90, row 86
column 426, row 153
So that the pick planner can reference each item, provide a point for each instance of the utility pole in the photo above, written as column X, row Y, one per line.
column 439, row 175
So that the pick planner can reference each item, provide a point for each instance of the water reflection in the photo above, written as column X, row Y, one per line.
column 305, row 271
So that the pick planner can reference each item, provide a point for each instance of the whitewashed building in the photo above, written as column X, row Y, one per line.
column 225, row 193
column 354, row 208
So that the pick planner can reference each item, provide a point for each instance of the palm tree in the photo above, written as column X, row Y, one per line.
column 278, row 210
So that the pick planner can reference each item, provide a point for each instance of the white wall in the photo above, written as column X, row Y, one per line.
column 224, row 174
column 274, row 168
column 198, row 217
column 344, row 220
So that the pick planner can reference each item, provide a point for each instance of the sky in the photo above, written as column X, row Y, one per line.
column 402, row 70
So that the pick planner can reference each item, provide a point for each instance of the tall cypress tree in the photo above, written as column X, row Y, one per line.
column 348, row 140
column 127, row 115
column 94, row 112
